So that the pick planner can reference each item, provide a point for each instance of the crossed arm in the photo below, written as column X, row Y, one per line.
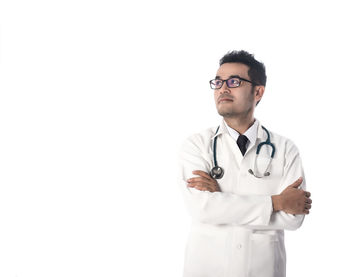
column 206, row 203
column 292, row 200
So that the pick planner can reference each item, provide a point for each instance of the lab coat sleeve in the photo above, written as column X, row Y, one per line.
column 293, row 169
column 217, row 207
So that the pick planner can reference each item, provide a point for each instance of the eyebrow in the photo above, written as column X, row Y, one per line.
column 231, row 76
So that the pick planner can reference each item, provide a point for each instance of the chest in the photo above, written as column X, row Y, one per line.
column 237, row 178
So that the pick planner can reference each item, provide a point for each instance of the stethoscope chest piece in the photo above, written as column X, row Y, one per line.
column 216, row 172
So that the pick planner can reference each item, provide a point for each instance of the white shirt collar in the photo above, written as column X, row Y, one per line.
column 251, row 133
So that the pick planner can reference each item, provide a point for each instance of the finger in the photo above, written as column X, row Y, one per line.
column 192, row 185
column 202, row 173
column 199, row 187
column 199, row 179
column 308, row 200
column 206, row 185
column 307, row 194
column 196, row 183
column 306, row 212
column 203, row 187
column 307, row 206
column 297, row 183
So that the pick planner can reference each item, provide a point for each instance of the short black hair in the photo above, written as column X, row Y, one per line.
column 256, row 70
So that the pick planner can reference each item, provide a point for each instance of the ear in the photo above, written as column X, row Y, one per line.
column 259, row 92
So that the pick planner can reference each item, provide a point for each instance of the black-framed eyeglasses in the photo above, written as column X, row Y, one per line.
column 232, row 82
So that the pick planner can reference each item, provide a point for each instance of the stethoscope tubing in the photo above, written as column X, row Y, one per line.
column 217, row 172
column 214, row 147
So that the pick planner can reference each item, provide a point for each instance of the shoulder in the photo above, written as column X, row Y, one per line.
column 284, row 143
column 199, row 140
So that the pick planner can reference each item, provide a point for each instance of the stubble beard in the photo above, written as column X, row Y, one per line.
column 228, row 112
column 234, row 114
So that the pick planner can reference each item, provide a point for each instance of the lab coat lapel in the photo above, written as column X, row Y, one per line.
column 232, row 145
column 227, row 142
column 259, row 137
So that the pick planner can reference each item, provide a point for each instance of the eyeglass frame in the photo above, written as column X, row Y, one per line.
column 231, row 77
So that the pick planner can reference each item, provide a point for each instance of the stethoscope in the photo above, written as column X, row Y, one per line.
column 217, row 172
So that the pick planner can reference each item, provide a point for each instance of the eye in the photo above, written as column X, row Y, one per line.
column 217, row 83
column 233, row 82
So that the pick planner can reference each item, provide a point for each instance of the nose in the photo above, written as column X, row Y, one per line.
column 224, row 88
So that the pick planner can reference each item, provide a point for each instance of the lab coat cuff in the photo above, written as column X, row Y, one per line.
column 267, row 211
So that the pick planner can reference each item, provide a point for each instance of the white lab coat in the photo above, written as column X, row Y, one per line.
column 235, row 232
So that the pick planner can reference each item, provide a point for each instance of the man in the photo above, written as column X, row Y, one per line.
column 239, row 217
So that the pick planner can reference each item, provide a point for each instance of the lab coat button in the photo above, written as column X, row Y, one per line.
column 239, row 246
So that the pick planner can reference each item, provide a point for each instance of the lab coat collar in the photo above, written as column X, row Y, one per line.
column 223, row 130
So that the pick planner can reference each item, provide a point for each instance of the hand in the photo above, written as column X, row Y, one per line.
column 294, row 200
column 204, row 183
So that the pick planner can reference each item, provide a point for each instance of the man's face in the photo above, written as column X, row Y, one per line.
column 240, row 101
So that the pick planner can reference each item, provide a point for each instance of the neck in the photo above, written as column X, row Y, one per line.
column 240, row 124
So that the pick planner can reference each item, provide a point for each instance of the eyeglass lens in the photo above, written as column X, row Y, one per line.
column 231, row 83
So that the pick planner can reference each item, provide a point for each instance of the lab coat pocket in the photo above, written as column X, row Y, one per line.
column 206, row 254
column 262, row 255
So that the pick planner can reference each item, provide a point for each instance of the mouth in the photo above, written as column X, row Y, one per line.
column 225, row 100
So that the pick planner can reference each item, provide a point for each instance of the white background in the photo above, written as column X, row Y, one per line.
column 97, row 96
